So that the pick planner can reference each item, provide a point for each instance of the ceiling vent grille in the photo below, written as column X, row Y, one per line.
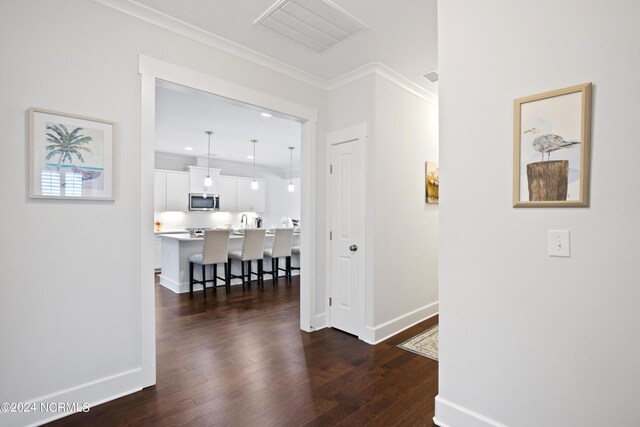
column 432, row 76
column 316, row 24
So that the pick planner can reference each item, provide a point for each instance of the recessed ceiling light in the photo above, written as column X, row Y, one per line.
column 188, row 148
column 265, row 114
column 249, row 157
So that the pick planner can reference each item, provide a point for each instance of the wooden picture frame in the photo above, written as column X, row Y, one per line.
column 71, row 157
column 556, row 125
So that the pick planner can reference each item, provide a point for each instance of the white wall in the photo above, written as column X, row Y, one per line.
column 66, row 265
column 406, row 228
column 402, row 257
column 528, row 340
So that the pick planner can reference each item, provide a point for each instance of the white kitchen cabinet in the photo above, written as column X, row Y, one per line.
column 177, row 191
column 197, row 174
column 259, row 198
column 227, row 190
column 171, row 191
column 159, row 191
column 249, row 200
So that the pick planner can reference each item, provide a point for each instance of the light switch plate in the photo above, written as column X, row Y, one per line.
column 559, row 243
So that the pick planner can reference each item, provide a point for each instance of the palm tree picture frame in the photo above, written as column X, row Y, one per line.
column 552, row 145
column 71, row 157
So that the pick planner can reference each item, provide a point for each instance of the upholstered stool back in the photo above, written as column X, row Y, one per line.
column 282, row 241
column 215, row 246
column 253, row 244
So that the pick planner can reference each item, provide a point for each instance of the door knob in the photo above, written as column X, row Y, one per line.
column 353, row 248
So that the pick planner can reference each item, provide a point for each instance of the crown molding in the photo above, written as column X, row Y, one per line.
column 394, row 77
column 386, row 72
column 353, row 75
column 167, row 22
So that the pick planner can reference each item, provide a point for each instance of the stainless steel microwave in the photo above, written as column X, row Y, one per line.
column 204, row 202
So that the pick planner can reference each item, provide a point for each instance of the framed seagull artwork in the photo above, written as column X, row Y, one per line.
column 552, row 143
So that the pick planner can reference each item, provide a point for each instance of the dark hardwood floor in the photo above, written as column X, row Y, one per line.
column 241, row 360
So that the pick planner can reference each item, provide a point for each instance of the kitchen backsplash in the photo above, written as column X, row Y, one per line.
column 182, row 220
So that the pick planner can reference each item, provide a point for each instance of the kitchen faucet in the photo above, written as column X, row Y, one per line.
column 244, row 220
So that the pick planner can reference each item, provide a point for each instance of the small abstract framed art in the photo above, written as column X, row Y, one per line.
column 552, row 145
column 70, row 157
column 432, row 182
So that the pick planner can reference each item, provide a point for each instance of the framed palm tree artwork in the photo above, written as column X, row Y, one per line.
column 70, row 156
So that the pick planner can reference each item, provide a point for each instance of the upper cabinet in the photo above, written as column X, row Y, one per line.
column 249, row 200
column 171, row 191
column 159, row 191
column 177, row 186
column 172, row 188
column 197, row 174
column 228, row 193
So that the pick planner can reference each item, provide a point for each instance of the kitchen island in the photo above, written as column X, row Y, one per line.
column 177, row 248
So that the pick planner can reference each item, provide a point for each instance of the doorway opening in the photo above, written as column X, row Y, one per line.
column 238, row 157
column 152, row 71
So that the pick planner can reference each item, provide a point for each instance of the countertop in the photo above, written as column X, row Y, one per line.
column 170, row 232
column 185, row 237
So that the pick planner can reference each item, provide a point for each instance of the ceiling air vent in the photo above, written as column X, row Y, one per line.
column 316, row 24
column 432, row 76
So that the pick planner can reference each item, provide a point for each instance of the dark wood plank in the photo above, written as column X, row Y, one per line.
column 240, row 359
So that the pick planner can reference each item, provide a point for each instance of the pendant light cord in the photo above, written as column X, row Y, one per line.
column 209, row 153
column 254, row 158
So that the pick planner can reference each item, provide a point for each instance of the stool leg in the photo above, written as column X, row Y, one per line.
column 274, row 277
column 227, row 279
column 191, row 278
column 242, row 273
column 215, row 277
column 289, row 268
column 277, row 268
column 204, row 283
column 260, row 274
column 249, row 278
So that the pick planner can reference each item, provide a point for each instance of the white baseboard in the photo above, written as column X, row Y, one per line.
column 170, row 284
column 449, row 414
column 321, row 322
column 94, row 393
column 182, row 287
column 377, row 334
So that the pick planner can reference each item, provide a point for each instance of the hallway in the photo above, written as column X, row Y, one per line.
column 240, row 359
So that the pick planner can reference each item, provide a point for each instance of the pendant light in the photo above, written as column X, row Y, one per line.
column 208, row 182
column 254, row 183
column 290, row 187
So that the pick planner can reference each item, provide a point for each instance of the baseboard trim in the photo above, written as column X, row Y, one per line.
column 377, row 334
column 94, row 393
column 449, row 414
column 321, row 322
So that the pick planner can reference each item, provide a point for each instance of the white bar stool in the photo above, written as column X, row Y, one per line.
column 214, row 251
column 282, row 242
column 252, row 250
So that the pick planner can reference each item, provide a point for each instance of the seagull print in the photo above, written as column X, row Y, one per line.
column 546, row 143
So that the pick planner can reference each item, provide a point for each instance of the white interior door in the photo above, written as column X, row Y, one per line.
column 347, row 232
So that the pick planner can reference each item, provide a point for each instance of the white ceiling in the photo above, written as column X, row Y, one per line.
column 402, row 34
column 184, row 114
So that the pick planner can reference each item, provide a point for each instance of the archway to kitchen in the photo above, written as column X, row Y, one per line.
column 153, row 70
